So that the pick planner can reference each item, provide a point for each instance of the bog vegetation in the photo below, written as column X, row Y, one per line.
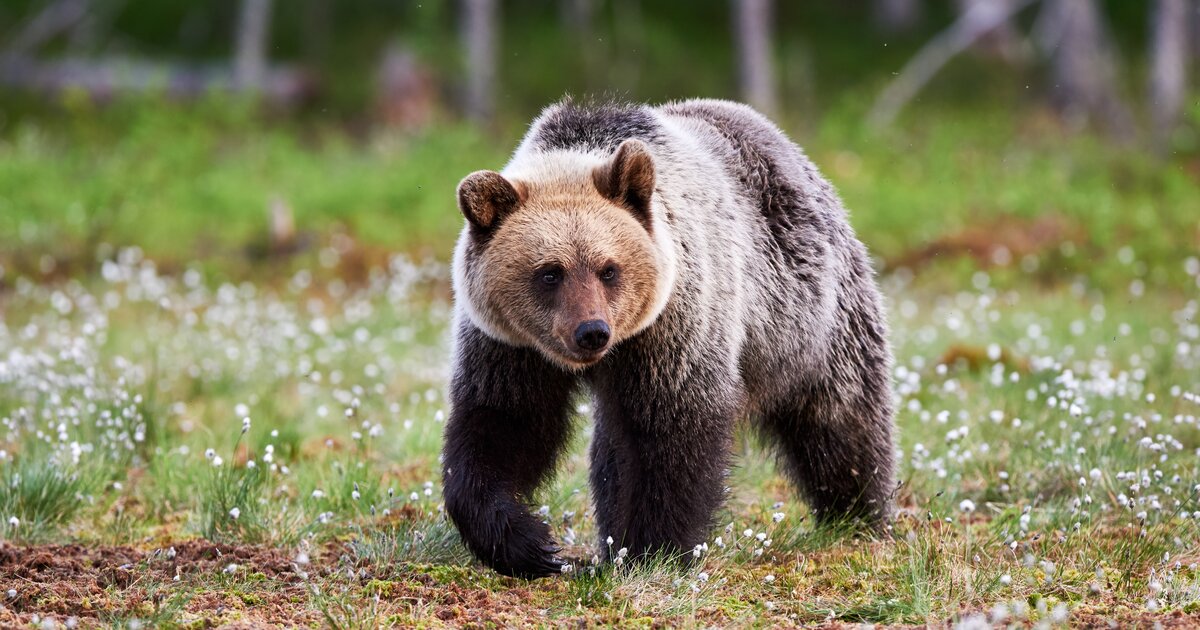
column 209, row 417
column 1046, row 375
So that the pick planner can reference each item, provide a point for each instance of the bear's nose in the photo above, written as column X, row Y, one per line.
column 592, row 335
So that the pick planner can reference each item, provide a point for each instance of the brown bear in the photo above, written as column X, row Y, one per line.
column 688, row 265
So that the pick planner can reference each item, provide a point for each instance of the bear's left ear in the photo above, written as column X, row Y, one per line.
column 628, row 179
column 486, row 197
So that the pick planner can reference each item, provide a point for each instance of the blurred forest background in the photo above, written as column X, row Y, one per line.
column 962, row 133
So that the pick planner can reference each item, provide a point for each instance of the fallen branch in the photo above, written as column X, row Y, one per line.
column 976, row 22
column 55, row 18
column 105, row 78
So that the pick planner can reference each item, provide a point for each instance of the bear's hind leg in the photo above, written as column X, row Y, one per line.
column 839, row 456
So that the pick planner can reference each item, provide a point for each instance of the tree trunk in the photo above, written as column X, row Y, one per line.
column 250, row 60
column 753, row 36
column 896, row 16
column 1194, row 25
column 1082, row 66
column 1003, row 41
column 479, row 40
column 1168, row 75
column 578, row 15
column 579, row 19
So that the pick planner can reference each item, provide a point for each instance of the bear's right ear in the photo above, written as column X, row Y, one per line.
column 486, row 197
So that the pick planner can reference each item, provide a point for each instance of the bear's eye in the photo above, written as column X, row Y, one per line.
column 550, row 276
column 609, row 273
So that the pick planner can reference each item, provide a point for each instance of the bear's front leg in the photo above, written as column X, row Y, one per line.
column 508, row 424
column 659, row 458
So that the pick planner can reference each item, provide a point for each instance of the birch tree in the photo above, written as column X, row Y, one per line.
column 479, row 43
column 756, row 72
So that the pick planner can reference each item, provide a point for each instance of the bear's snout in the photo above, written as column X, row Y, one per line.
column 592, row 335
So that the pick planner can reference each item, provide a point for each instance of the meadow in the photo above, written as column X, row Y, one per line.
column 198, row 431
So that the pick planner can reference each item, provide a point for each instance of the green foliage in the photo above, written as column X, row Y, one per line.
column 185, row 180
column 232, row 504
column 407, row 540
column 43, row 495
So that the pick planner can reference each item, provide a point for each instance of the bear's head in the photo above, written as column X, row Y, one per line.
column 564, row 253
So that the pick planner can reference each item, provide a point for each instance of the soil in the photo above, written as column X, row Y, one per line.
column 98, row 586
column 95, row 584
column 1015, row 236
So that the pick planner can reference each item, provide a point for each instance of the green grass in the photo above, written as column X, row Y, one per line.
column 1048, row 401
column 41, row 494
column 197, row 182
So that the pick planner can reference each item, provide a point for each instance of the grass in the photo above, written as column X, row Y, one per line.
column 188, row 183
column 1048, row 393
column 39, row 495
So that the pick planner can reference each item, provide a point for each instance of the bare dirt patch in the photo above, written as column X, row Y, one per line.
column 987, row 243
column 94, row 583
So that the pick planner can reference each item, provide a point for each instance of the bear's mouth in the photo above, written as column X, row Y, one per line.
column 578, row 358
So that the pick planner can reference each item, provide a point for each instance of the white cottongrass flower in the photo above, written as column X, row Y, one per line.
column 14, row 522
column 234, row 513
column 1006, row 579
column 318, row 494
column 966, row 506
column 778, row 516
column 769, row 578
column 230, row 568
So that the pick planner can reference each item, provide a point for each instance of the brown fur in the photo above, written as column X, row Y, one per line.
column 485, row 197
column 566, row 224
column 628, row 179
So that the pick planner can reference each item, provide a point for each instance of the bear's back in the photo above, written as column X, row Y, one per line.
column 593, row 127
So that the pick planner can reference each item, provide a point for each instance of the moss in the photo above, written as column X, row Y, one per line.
column 382, row 588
